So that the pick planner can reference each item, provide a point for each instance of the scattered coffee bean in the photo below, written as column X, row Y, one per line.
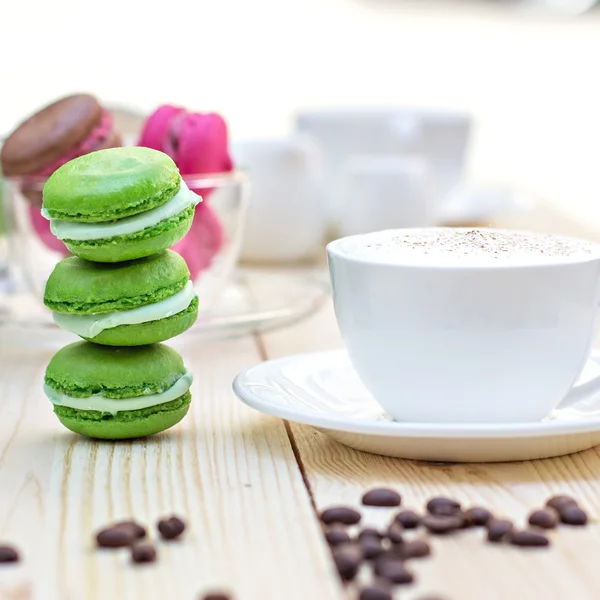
column 409, row 519
column 376, row 591
column 528, row 538
column 170, row 528
column 381, row 497
column 477, row 516
column 443, row 506
column 393, row 554
column 560, row 501
column 115, row 537
column 370, row 532
column 394, row 571
column 340, row 514
column 347, row 559
column 395, row 533
column 137, row 531
column 573, row 515
column 143, row 552
column 371, row 547
column 497, row 529
column 216, row 596
column 337, row 535
column 442, row 524
column 544, row 519
column 415, row 549
column 8, row 554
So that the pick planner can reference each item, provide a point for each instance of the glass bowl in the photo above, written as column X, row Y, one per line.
column 211, row 248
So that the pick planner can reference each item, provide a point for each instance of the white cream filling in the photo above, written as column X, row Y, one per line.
column 66, row 230
column 112, row 405
column 89, row 326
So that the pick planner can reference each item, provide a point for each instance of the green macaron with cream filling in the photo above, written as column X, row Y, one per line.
column 118, row 393
column 131, row 303
column 119, row 204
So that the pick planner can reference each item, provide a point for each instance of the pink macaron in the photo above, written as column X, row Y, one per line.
column 199, row 145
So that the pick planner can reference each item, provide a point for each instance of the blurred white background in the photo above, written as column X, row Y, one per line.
column 529, row 81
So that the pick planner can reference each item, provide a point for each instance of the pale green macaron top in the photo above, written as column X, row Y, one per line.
column 119, row 204
column 111, row 184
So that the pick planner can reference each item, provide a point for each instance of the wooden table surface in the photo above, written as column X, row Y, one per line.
column 250, row 487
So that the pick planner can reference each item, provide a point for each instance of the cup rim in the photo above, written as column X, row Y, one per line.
column 334, row 250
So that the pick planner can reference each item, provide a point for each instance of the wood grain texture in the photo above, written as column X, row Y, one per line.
column 229, row 472
column 464, row 567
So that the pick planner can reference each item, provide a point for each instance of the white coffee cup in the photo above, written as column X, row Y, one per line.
column 382, row 192
column 286, row 217
column 440, row 136
column 458, row 340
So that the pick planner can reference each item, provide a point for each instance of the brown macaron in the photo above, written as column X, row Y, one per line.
column 47, row 135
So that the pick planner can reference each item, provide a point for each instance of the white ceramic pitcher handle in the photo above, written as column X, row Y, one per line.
column 585, row 391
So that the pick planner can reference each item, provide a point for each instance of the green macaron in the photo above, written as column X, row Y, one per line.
column 118, row 204
column 118, row 393
column 132, row 303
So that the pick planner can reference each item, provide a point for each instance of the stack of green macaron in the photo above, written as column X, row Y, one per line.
column 123, row 292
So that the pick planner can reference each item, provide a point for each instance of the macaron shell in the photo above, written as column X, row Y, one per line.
column 82, row 369
column 111, row 184
column 82, row 287
column 203, row 145
column 48, row 134
column 157, row 126
column 100, row 137
column 203, row 149
column 151, row 332
column 203, row 242
column 128, row 424
column 138, row 245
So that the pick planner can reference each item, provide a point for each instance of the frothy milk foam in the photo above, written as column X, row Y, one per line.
column 468, row 246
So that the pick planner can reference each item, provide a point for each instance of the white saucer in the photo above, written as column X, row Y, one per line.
column 322, row 390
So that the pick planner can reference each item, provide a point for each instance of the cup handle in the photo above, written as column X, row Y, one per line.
column 584, row 392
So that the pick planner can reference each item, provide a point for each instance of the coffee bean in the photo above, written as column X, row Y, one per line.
column 573, row 515
column 560, row 501
column 347, row 559
column 393, row 554
column 544, row 519
column 409, row 519
column 371, row 547
column 381, row 497
column 528, row 538
column 170, row 528
column 370, row 532
column 394, row 571
column 477, row 516
column 442, row 524
column 443, row 506
column 376, row 591
column 415, row 549
column 216, row 596
column 114, row 537
column 337, row 535
column 497, row 529
column 8, row 554
column 340, row 514
column 143, row 552
column 137, row 531
column 395, row 533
